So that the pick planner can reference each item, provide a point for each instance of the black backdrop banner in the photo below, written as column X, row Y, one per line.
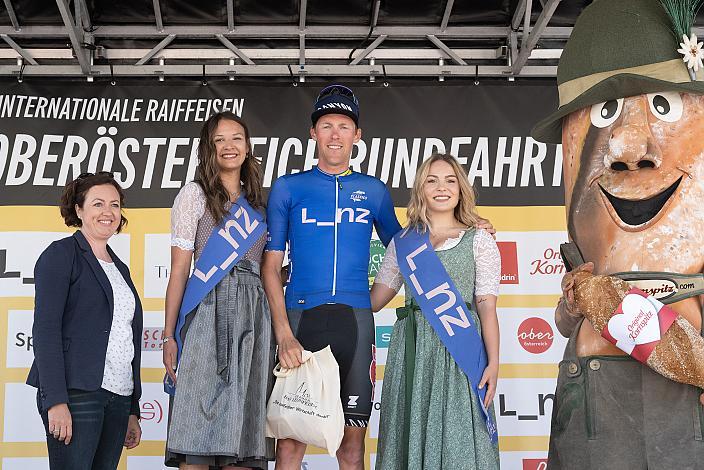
column 148, row 136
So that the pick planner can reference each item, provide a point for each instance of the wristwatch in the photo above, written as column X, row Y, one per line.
column 167, row 339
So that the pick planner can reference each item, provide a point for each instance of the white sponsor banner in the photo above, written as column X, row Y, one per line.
column 19, row 252
column 152, row 335
column 157, row 263
column 154, row 408
column 20, row 350
column 384, row 320
column 524, row 460
column 529, row 335
column 540, row 267
column 25, row 463
column 524, row 406
column 21, row 421
column 145, row 463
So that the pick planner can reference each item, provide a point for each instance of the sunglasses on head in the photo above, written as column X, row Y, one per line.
column 337, row 90
column 97, row 173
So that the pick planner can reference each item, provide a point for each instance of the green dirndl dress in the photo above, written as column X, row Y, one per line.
column 432, row 420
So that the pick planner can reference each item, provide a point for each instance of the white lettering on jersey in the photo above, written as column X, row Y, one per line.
column 344, row 214
column 304, row 217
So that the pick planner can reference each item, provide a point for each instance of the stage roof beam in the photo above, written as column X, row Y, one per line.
column 76, row 35
column 226, row 42
column 369, row 48
column 441, row 45
column 519, row 14
column 375, row 14
column 12, row 15
column 288, row 54
column 25, row 55
column 285, row 31
column 82, row 15
column 317, row 70
column 230, row 15
column 155, row 50
column 302, row 15
column 530, row 40
column 157, row 16
column 301, row 49
column 446, row 16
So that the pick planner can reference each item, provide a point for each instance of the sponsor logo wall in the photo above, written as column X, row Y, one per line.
column 519, row 189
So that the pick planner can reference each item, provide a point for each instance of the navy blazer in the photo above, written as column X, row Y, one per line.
column 73, row 309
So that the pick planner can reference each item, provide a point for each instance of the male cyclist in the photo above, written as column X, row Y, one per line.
column 326, row 215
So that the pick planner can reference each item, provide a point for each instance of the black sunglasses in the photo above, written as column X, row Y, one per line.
column 337, row 90
column 97, row 173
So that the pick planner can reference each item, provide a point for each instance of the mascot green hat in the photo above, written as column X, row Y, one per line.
column 621, row 48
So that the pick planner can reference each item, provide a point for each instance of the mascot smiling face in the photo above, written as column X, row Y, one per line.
column 634, row 182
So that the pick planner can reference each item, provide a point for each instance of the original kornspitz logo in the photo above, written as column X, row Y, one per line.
column 509, row 262
column 549, row 263
column 535, row 335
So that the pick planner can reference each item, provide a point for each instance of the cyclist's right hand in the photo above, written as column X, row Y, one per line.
column 290, row 352
column 170, row 353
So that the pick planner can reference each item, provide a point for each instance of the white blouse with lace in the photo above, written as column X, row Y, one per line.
column 487, row 264
column 189, row 207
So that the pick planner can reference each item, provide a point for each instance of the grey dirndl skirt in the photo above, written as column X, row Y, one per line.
column 218, row 415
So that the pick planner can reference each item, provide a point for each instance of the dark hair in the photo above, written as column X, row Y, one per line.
column 208, row 171
column 75, row 195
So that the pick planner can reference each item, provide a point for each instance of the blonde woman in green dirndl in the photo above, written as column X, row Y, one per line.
column 430, row 415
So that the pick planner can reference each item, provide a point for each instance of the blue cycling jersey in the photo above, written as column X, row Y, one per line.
column 327, row 221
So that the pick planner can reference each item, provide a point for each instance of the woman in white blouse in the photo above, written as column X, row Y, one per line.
column 218, row 413
column 87, row 330
column 436, row 421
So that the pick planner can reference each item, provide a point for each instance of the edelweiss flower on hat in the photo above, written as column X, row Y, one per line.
column 682, row 14
column 692, row 51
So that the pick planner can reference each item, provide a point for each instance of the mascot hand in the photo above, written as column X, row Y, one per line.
column 567, row 286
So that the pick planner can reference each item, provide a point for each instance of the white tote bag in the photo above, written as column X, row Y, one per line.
column 305, row 403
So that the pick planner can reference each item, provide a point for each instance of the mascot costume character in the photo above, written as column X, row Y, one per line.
column 631, row 123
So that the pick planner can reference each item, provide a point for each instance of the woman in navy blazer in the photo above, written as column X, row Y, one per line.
column 87, row 331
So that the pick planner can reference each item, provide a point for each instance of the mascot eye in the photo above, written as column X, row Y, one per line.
column 666, row 106
column 604, row 114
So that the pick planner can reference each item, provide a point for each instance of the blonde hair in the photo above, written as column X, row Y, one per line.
column 465, row 211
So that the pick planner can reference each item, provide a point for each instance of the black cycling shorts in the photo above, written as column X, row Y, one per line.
column 350, row 334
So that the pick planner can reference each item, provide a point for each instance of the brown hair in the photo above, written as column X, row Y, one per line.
column 208, row 171
column 465, row 211
column 75, row 195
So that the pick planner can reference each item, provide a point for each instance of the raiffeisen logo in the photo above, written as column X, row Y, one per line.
column 509, row 262
column 535, row 335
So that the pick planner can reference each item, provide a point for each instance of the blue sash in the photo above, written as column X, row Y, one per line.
column 238, row 232
column 445, row 310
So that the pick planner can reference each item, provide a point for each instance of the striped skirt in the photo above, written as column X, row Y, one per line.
column 218, row 415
